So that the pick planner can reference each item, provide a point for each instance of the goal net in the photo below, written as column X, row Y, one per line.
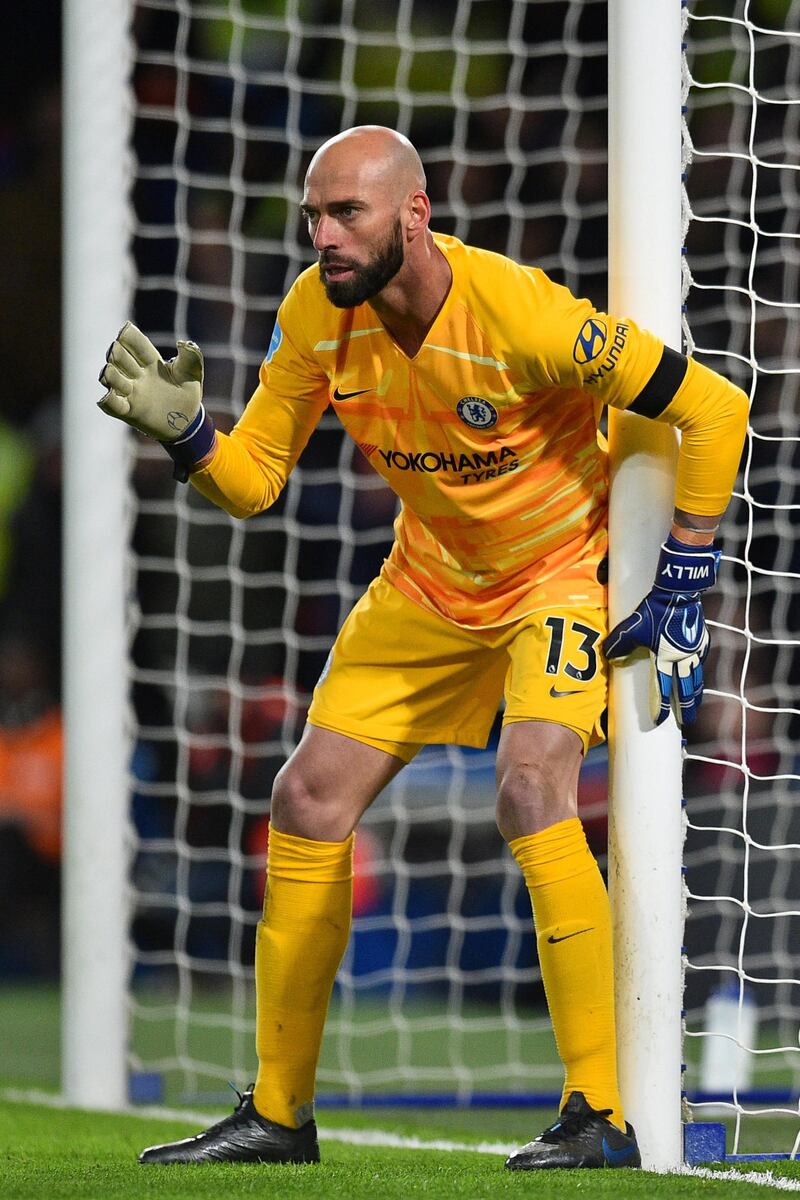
column 439, row 993
column 741, row 779
column 232, row 623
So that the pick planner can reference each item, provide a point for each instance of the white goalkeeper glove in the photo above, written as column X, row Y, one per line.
column 163, row 400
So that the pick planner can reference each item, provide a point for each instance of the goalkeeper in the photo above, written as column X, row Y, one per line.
column 474, row 386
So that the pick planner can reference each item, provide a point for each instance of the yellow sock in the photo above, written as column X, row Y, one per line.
column 299, row 945
column 573, row 927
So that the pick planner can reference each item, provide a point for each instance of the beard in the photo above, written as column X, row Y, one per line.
column 367, row 281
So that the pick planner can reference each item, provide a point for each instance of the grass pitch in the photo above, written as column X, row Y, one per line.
column 379, row 1154
column 62, row 1153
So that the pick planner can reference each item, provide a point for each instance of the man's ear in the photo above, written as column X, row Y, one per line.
column 419, row 214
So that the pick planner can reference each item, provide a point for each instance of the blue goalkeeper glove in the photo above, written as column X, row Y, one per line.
column 669, row 622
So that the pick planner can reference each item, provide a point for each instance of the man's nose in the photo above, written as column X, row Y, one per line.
column 325, row 234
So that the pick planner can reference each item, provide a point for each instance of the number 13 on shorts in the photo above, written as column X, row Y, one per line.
column 579, row 664
column 557, row 672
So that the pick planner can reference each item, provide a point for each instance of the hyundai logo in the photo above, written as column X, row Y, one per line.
column 590, row 342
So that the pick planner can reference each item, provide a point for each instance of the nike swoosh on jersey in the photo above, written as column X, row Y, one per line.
column 553, row 940
column 339, row 395
column 555, row 693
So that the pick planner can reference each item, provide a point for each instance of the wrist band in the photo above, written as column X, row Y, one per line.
column 192, row 445
column 694, row 529
column 686, row 569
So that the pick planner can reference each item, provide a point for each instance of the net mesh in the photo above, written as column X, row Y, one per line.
column 741, row 782
column 231, row 622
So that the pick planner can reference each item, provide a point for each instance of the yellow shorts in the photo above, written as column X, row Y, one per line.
column 400, row 676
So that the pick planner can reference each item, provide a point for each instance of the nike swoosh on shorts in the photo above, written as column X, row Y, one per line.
column 339, row 395
column 554, row 940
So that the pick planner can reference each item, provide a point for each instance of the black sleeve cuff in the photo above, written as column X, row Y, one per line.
column 662, row 385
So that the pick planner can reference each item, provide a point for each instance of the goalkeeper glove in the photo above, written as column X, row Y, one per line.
column 669, row 622
column 161, row 399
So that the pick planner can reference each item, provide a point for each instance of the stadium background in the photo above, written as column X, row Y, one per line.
column 30, row 446
column 30, row 458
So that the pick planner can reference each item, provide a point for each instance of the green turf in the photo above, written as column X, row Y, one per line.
column 63, row 1153
column 56, row 1153
column 29, row 1019
column 427, row 1045
column 31, row 1041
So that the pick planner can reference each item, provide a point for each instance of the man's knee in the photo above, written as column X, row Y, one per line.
column 327, row 783
column 530, row 797
column 537, row 782
column 298, row 800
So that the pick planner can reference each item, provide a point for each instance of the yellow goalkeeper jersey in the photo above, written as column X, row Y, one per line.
column 488, row 435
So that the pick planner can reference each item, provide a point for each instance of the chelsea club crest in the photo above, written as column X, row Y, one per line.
column 477, row 412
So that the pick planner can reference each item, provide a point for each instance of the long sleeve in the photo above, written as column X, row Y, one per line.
column 712, row 415
column 251, row 464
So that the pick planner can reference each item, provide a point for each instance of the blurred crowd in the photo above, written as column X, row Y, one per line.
column 30, row 495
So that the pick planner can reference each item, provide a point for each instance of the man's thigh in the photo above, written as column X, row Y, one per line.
column 557, row 671
column 327, row 784
column 400, row 676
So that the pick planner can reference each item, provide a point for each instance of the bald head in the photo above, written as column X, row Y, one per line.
column 369, row 156
column 367, row 211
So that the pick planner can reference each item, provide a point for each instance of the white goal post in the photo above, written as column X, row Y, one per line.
column 96, row 301
column 192, row 641
column 645, row 823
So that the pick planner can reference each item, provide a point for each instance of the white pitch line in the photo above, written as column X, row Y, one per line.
column 155, row 1112
column 381, row 1137
column 355, row 1137
column 759, row 1178
column 396, row 1141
